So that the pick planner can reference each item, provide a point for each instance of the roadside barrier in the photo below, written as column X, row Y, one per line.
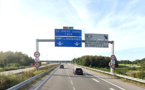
column 29, row 80
column 118, row 75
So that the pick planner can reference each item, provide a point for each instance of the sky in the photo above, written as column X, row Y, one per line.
column 24, row 21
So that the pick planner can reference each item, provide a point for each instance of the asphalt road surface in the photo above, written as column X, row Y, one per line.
column 64, row 79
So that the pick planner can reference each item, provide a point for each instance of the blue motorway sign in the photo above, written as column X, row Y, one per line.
column 67, row 32
column 68, row 38
column 68, row 41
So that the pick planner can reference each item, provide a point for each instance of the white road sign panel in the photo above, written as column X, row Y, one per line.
column 103, row 37
column 93, row 43
column 96, row 40
column 112, row 62
column 36, row 59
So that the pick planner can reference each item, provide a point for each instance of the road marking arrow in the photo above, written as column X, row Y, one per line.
column 76, row 43
column 59, row 43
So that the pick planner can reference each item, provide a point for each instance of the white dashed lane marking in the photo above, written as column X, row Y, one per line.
column 70, row 80
column 95, row 80
column 107, row 82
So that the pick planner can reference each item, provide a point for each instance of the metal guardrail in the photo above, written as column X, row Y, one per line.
column 118, row 75
column 29, row 80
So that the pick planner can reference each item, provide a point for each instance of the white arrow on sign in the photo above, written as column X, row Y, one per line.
column 76, row 43
column 59, row 43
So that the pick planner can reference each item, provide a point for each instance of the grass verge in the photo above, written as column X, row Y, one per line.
column 123, row 79
column 7, row 81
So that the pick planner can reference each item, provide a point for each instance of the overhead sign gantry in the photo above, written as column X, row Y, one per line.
column 68, row 37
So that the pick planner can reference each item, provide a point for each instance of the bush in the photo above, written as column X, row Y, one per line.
column 90, row 66
column 134, row 75
column 7, row 81
column 13, row 65
column 93, row 61
column 133, row 68
column 140, row 75
column 29, row 74
column 121, row 71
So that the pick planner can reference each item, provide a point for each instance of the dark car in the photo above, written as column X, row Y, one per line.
column 61, row 66
column 78, row 71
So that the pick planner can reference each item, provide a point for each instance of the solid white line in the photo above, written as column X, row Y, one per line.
column 108, row 82
column 111, row 89
column 74, row 88
column 111, row 83
column 95, row 80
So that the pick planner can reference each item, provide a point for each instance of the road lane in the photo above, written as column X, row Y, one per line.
column 59, row 81
column 64, row 79
column 115, row 81
column 90, row 82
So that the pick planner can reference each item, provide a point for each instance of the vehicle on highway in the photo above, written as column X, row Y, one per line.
column 78, row 70
column 61, row 66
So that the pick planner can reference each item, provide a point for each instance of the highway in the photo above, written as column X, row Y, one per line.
column 64, row 79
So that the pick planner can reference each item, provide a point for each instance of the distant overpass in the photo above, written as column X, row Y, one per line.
column 56, row 61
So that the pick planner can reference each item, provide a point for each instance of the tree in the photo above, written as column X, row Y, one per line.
column 6, row 58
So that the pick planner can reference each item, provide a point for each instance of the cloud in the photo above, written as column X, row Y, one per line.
column 24, row 21
column 123, row 21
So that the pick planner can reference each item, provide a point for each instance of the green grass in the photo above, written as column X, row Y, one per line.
column 7, row 81
column 13, row 68
column 130, row 64
column 137, row 72
column 104, row 69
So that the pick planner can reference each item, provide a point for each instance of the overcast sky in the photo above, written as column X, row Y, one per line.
column 24, row 21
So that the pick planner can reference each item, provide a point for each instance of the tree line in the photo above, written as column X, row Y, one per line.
column 14, row 58
column 93, row 61
column 140, row 62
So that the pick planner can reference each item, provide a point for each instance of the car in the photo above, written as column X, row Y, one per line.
column 78, row 70
column 61, row 66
